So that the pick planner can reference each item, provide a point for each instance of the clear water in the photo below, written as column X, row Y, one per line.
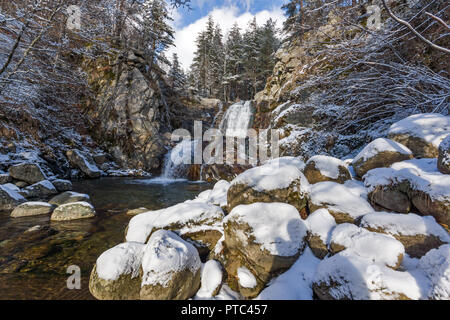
column 37, row 269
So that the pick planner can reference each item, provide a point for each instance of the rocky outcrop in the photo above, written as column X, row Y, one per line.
column 28, row 172
column 73, row 211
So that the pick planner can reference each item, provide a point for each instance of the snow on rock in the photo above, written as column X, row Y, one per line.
column 418, row 234
column 184, row 217
column 73, row 211
column 32, row 209
column 276, row 227
column 342, row 202
column 28, row 172
column 436, row 266
column 347, row 275
column 279, row 180
column 377, row 247
column 324, row 168
column 422, row 133
column 217, row 196
column 211, row 280
column 170, row 268
column 246, row 278
column 43, row 189
column 357, row 188
column 320, row 225
column 84, row 162
column 296, row 283
column 116, row 274
column 427, row 188
column 444, row 156
column 10, row 197
column 380, row 153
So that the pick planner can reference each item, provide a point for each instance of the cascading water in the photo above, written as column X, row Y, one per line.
column 237, row 119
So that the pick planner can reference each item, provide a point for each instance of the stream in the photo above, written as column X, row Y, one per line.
column 36, row 267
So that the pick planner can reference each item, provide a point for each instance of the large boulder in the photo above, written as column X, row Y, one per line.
column 421, row 133
column 194, row 221
column 28, row 209
column 211, row 280
column 73, row 211
column 320, row 226
column 266, row 239
column 380, row 153
column 41, row 190
column 10, row 197
column 28, row 172
column 279, row 180
column 444, row 156
column 171, row 268
column 325, row 168
column 62, row 185
column 116, row 274
column 69, row 197
column 417, row 234
column 83, row 162
column 424, row 185
column 345, row 204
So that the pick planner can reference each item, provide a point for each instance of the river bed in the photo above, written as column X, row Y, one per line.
column 35, row 267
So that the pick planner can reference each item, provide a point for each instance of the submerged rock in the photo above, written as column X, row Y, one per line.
column 69, row 197
column 73, row 211
column 32, row 209
column 28, row 172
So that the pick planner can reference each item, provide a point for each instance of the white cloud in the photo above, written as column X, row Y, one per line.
column 226, row 16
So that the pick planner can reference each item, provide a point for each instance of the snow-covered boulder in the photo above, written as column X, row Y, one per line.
column 171, row 268
column 325, row 168
column 10, row 197
column 28, row 172
column 426, row 187
column 28, row 209
column 217, row 196
column 320, row 225
column 349, row 276
column 116, row 274
column 279, row 180
column 418, row 234
column 83, row 162
column 41, row 190
column 193, row 221
column 62, row 185
column 69, row 197
column 422, row 133
column 378, row 247
column 265, row 238
column 380, row 153
column 73, row 211
column 436, row 267
column 444, row 156
column 211, row 280
column 343, row 203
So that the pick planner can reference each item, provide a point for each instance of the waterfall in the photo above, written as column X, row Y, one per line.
column 237, row 119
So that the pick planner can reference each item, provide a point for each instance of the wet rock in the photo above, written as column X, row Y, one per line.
column 62, row 185
column 41, row 190
column 135, row 212
column 73, row 211
column 83, row 162
column 28, row 172
column 69, row 197
column 10, row 197
column 28, row 209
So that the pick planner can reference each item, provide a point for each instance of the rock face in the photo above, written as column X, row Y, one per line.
column 277, row 181
column 84, row 162
column 381, row 153
column 265, row 238
column 418, row 234
column 324, row 168
column 69, row 197
column 422, row 133
column 116, row 274
column 41, row 190
column 32, row 209
column 28, row 172
column 171, row 268
column 73, row 211
column 9, row 197
column 444, row 156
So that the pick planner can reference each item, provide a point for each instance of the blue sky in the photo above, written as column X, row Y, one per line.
column 188, row 23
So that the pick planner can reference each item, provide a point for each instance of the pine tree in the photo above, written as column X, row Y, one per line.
column 233, row 63
column 177, row 77
column 251, row 55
